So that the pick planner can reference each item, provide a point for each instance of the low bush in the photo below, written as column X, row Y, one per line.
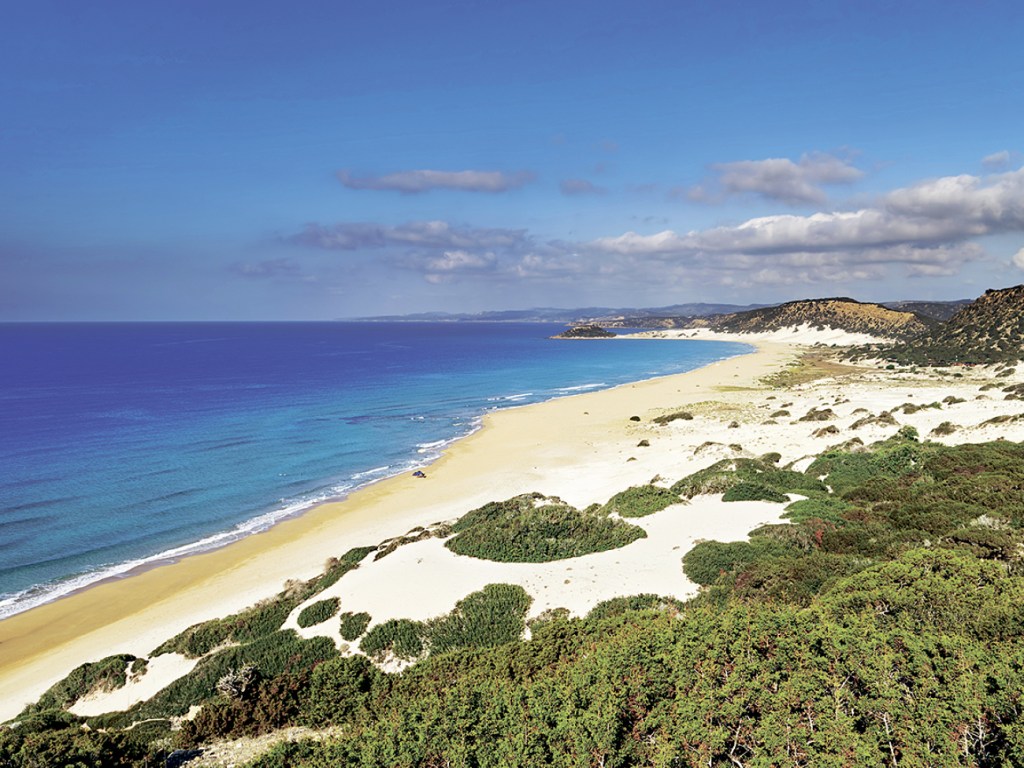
column 668, row 418
column 747, row 491
column 534, row 529
column 401, row 637
column 640, row 501
column 493, row 616
column 353, row 625
column 318, row 612
column 107, row 674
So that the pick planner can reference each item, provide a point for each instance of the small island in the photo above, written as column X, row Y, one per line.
column 585, row 332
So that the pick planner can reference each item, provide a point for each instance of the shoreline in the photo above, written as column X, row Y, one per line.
column 134, row 613
column 421, row 456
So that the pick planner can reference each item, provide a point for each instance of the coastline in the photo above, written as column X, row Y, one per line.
column 521, row 449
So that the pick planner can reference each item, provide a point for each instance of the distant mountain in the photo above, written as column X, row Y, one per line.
column 987, row 330
column 610, row 316
column 936, row 310
column 837, row 313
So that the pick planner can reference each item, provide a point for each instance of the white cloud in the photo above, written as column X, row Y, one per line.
column 777, row 178
column 1018, row 259
column 997, row 160
column 413, row 182
column 426, row 234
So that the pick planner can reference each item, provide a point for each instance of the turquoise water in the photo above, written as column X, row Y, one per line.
column 125, row 444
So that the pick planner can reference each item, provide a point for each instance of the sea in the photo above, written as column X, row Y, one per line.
column 123, row 445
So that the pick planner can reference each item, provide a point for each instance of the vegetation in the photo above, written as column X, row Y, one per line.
column 989, row 330
column 534, row 529
column 262, row 619
column 723, row 475
column 401, row 637
column 107, row 674
column 318, row 612
column 494, row 615
column 883, row 626
column 640, row 501
column 353, row 625
column 668, row 418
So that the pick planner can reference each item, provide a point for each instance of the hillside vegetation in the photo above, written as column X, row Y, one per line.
column 884, row 625
column 838, row 313
column 988, row 330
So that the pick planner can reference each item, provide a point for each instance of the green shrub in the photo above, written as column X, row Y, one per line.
column 620, row 605
column 273, row 655
column 318, row 612
column 945, row 428
column 402, row 637
column 340, row 688
column 826, row 508
column 493, row 616
column 639, row 501
column 533, row 529
column 262, row 619
column 747, row 491
column 353, row 625
column 107, row 674
column 723, row 475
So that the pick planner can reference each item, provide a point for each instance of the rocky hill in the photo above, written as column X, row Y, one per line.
column 585, row 332
column 936, row 310
column 837, row 313
column 988, row 330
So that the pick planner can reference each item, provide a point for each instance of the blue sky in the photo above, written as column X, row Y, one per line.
column 316, row 160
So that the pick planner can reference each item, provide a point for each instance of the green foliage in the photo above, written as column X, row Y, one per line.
column 945, row 428
column 709, row 560
column 640, row 501
column 273, row 704
column 747, row 491
column 620, row 605
column 534, row 529
column 826, row 508
column 107, row 674
column 52, row 738
column 273, row 655
column 884, row 625
column 401, row 637
column 340, row 688
column 723, row 475
column 494, row 615
column 318, row 612
column 353, row 625
column 262, row 619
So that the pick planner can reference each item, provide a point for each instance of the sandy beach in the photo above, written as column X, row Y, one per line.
column 582, row 448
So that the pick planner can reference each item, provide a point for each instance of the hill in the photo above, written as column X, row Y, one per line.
column 936, row 310
column 838, row 313
column 988, row 330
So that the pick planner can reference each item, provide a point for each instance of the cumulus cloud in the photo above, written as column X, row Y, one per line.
column 926, row 227
column 414, row 182
column 572, row 187
column 923, row 230
column 452, row 263
column 778, row 178
column 426, row 234
column 1018, row 259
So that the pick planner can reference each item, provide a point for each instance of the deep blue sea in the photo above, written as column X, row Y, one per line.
column 126, row 444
